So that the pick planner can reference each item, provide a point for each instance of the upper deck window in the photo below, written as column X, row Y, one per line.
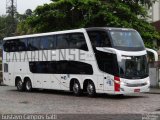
column 126, row 40
column 60, row 41
column 99, row 38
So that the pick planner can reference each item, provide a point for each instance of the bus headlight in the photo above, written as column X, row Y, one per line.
column 123, row 83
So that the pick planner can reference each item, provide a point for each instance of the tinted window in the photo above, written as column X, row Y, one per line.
column 22, row 45
column 6, row 46
column 62, row 41
column 107, row 62
column 29, row 44
column 11, row 45
column 99, row 38
column 44, row 44
column 79, row 68
column 36, row 43
column 60, row 67
column 52, row 42
column 14, row 45
column 77, row 41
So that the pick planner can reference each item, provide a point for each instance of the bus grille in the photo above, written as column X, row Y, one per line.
column 136, row 85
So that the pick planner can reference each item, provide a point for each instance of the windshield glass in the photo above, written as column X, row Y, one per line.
column 126, row 40
column 134, row 67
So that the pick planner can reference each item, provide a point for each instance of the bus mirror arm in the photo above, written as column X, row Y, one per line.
column 154, row 52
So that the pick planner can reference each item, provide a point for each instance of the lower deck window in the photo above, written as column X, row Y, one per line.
column 60, row 67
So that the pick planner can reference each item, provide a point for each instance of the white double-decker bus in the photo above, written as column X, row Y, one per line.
column 92, row 60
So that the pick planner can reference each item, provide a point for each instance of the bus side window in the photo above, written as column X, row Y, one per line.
column 99, row 39
column 22, row 45
column 36, row 43
column 62, row 41
column 75, row 67
column 77, row 41
column 29, row 44
column 13, row 46
column 44, row 44
column 52, row 42
column 6, row 46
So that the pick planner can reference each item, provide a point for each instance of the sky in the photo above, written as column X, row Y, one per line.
column 22, row 5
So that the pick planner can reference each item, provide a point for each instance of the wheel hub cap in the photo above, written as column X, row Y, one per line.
column 90, row 88
column 28, row 85
column 75, row 88
column 19, row 85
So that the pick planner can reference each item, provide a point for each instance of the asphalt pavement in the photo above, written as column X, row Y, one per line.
column 64, row 105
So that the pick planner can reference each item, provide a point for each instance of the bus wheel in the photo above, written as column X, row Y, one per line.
column 28, row 85
column 19, row 85
column 76, row 88
column 91, row 89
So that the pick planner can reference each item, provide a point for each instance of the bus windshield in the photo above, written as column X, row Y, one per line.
column 134, row 67
column 126, row 40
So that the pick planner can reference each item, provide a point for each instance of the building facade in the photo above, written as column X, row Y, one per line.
column 154, row 12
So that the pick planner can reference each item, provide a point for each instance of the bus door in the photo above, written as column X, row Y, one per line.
column 5, row 72
column 108, row 78
column 111, row 68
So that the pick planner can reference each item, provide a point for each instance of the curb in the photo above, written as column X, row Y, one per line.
column 154, row 91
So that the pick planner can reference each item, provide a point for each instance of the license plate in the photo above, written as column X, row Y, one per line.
column 136, row 90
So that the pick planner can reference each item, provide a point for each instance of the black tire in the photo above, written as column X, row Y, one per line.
column 28, row 85
column 20, row 85
column 76, row 88
column 91, row 91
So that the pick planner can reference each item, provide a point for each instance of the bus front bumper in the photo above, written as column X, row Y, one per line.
column 127, row 90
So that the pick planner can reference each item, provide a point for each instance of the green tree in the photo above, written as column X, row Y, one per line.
column 23, row 27
column 7, row 28
column 2, row 27
column 70, row 14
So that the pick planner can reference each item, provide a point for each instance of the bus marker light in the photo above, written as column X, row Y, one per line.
column 116, row 84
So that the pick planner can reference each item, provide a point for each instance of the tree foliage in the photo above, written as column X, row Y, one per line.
column 7, row 28
column 8, row 25
column 2, row 27
column 70, row 14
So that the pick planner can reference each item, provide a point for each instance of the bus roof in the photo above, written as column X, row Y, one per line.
column 65, row 31
column 108, row 28
column 43, row 34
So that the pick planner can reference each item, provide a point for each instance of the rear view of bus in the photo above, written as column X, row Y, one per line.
column 122, row 57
